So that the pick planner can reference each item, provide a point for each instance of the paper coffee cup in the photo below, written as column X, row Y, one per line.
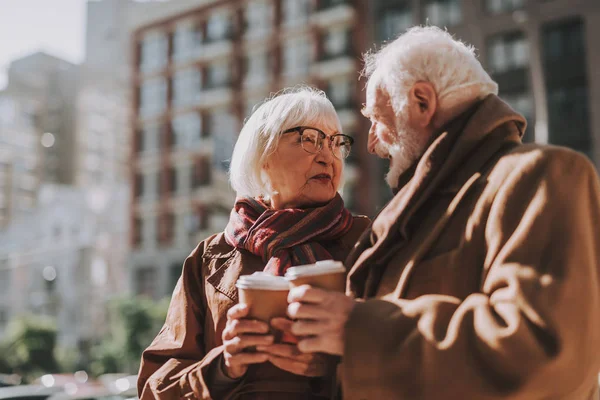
column 328, row 275
column 264, row 294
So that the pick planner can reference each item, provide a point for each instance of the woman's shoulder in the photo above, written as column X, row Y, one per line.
column 215, row 246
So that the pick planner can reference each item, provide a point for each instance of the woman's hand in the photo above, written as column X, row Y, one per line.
column 287, row 356
column 239, row 335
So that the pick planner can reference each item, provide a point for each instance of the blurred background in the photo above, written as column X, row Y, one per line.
column 118, row 118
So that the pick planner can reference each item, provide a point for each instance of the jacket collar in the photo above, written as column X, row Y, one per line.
column 462, row 149
column 217, row 247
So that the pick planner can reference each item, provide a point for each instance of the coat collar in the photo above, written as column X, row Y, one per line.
column 461, row 150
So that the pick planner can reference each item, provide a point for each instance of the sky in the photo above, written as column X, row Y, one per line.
column 54, row 26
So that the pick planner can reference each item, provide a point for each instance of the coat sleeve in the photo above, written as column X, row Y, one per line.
column 176, row 365
column 532, row 330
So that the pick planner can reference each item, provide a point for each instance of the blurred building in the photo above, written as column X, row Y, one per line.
column 19, row 157
column 542, row 53
column 37, row 128
column 199, row 69
column 103, row 111
column 64, row 260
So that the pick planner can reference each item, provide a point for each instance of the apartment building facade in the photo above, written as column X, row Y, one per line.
column 198, row 74
column 37, row 130
column 199, row 70
column 542, row 53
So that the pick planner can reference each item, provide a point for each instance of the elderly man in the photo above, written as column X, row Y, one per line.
column 481, row 278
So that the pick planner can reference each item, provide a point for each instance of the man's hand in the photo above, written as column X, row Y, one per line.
column 321, row 316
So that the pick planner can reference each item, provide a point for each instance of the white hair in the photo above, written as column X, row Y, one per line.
column 291, row 107
column 432, row 55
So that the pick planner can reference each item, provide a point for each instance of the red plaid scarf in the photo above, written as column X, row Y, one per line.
column 288, row 237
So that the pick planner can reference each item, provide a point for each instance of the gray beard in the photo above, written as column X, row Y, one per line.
column 404, row 154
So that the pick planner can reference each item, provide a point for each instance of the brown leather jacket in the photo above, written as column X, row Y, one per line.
column 182, row 360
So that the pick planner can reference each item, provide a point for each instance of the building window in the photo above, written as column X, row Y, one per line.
column 187, row 130
column 503, row 6
column 566, row 85
column 137, row 232
column 219, row 74
column 295, row 12
column 508, row 62
column 168, row 180
column 443, row 13
column 336, row 42
column 223, row 129
column 324, row 4
column 186, row 40
column 139, row 185
column 218, row 26
column 174, row 275
column 187, row 85
column 340, row 91
column 147, row 185
column 139, row 141
column 257, row 72
column 149, row 138
column 201, row 173
column 508, row 52
column 166, row 228
column 153, row 97
column 146, row 280
column 394, row 18
column 297, row 56
column 153, row 51
column 259, row 18
column 568, row 110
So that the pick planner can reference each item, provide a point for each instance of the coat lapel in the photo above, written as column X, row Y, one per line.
column 449, row 163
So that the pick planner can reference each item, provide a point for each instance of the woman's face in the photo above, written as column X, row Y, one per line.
column 299, row 178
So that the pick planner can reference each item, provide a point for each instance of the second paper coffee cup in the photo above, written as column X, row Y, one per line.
column 264, row 294
column 328, row 274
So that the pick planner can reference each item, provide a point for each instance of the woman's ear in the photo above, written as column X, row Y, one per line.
column 423, row 103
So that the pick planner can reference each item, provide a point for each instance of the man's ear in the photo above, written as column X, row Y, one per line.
column 423, row 103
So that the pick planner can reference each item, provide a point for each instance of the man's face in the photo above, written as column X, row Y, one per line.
column 382, row 135
column 391, row 134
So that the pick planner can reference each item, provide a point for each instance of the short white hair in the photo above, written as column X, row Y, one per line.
column 291, row 107
column 430, row 54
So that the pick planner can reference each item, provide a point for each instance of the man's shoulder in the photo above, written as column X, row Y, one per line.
column 533, row 159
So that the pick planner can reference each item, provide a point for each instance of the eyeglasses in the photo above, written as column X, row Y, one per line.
column 312, row 139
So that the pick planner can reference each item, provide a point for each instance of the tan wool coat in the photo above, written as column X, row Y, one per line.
column 181, row 361
column 481, row 278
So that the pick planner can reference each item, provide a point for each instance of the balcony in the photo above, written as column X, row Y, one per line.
column 331, row 12
column 215, row 96
column 331, row 68
column 214, row 50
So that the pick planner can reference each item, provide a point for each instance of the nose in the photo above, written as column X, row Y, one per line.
column 373, row 140
column 325, row 156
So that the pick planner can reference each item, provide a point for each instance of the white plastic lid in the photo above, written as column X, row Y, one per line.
column 262, row 281
column 319, row 268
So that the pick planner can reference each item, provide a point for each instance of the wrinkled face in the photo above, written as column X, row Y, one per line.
column 391, row 134
column 299, row 178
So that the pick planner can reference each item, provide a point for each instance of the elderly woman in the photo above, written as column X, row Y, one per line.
column 286, row 169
